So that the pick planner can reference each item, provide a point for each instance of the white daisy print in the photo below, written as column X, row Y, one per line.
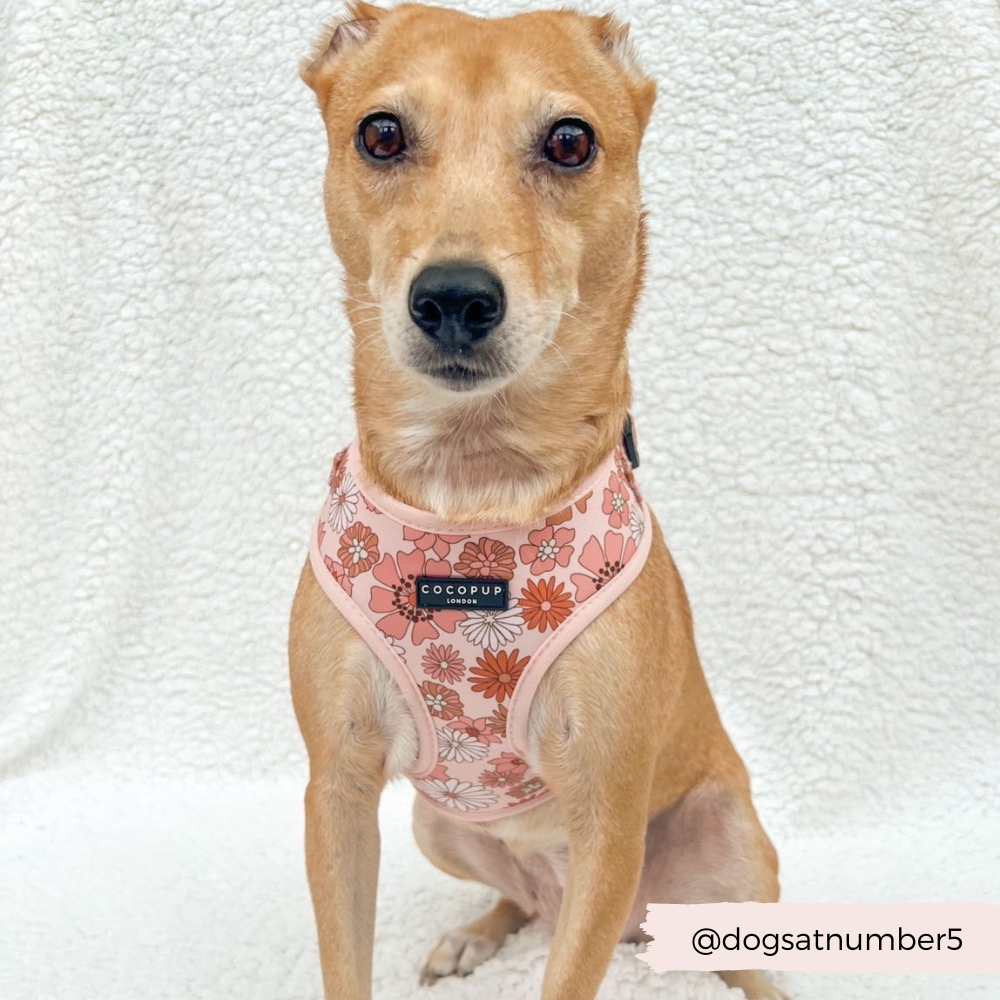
column 493, row 629
column 460, row 746
column 357, row 551
column 548, row 549
column 343, row 503
column 636, row 524
column 461, row 795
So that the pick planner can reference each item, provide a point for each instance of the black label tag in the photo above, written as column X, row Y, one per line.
column 458, row 592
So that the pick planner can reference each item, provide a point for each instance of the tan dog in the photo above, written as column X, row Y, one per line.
column 510, row 147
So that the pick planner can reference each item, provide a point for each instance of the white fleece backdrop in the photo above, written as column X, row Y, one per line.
column 816, row 365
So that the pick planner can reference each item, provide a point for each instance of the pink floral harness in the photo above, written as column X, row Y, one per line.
column 467, row 619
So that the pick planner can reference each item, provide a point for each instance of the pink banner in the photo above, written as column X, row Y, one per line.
column 856, row 937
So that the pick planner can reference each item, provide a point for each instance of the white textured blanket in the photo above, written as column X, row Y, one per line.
column 817, row 372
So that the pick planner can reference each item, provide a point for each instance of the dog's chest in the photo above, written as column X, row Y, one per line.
column 525, row 858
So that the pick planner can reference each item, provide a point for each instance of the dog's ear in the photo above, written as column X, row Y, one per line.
column 346, row 33
column 612, row 34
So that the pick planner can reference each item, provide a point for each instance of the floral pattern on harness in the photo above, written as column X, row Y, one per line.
column 465, row 666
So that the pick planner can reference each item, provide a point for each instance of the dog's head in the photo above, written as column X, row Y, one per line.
column 482, row 189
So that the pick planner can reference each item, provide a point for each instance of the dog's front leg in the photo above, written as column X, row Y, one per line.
column 357, row 733
column 606, row 845
column 601, row 777
column 342, row 854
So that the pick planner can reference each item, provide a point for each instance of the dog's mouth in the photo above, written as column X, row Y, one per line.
column 455, row 375
column 460, row 372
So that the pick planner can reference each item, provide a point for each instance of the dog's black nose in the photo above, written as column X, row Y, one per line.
column 456, row 304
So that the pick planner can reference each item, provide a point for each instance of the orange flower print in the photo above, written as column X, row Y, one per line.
column 337, row 470
column 440, row 772
column 622, row 463
column 338, row 573
column 358, row 550
column 625, row 471
column 567, row 512
column 510, row 764
column 545, row 603
column 443, row 663
column 441, row 702
column 616, row 498
column 547, row 548
column 528, row 789
column 397, row 600
column 497, row 674
column 498, row 721
column 486, row 558
column 427, row 541
column 498, row 779
column 602, row 562
column 478, row 729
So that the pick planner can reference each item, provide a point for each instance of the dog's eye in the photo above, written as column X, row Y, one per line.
column 380, row 136
column 570, row 143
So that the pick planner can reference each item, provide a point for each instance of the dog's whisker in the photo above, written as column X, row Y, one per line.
column 520, row 253
column 367, row 339
column 381, row 357
column 559, row 353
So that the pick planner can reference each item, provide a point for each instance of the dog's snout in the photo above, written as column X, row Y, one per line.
column 456, row 304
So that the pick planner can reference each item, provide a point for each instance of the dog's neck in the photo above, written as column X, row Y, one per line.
column 506, row 458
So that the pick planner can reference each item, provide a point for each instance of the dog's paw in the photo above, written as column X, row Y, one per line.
column 753, row 985
column 457, row 954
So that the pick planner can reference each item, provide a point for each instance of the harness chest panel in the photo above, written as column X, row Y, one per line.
column 467, row 619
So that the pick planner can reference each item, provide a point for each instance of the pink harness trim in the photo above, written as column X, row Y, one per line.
column 469, row 676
